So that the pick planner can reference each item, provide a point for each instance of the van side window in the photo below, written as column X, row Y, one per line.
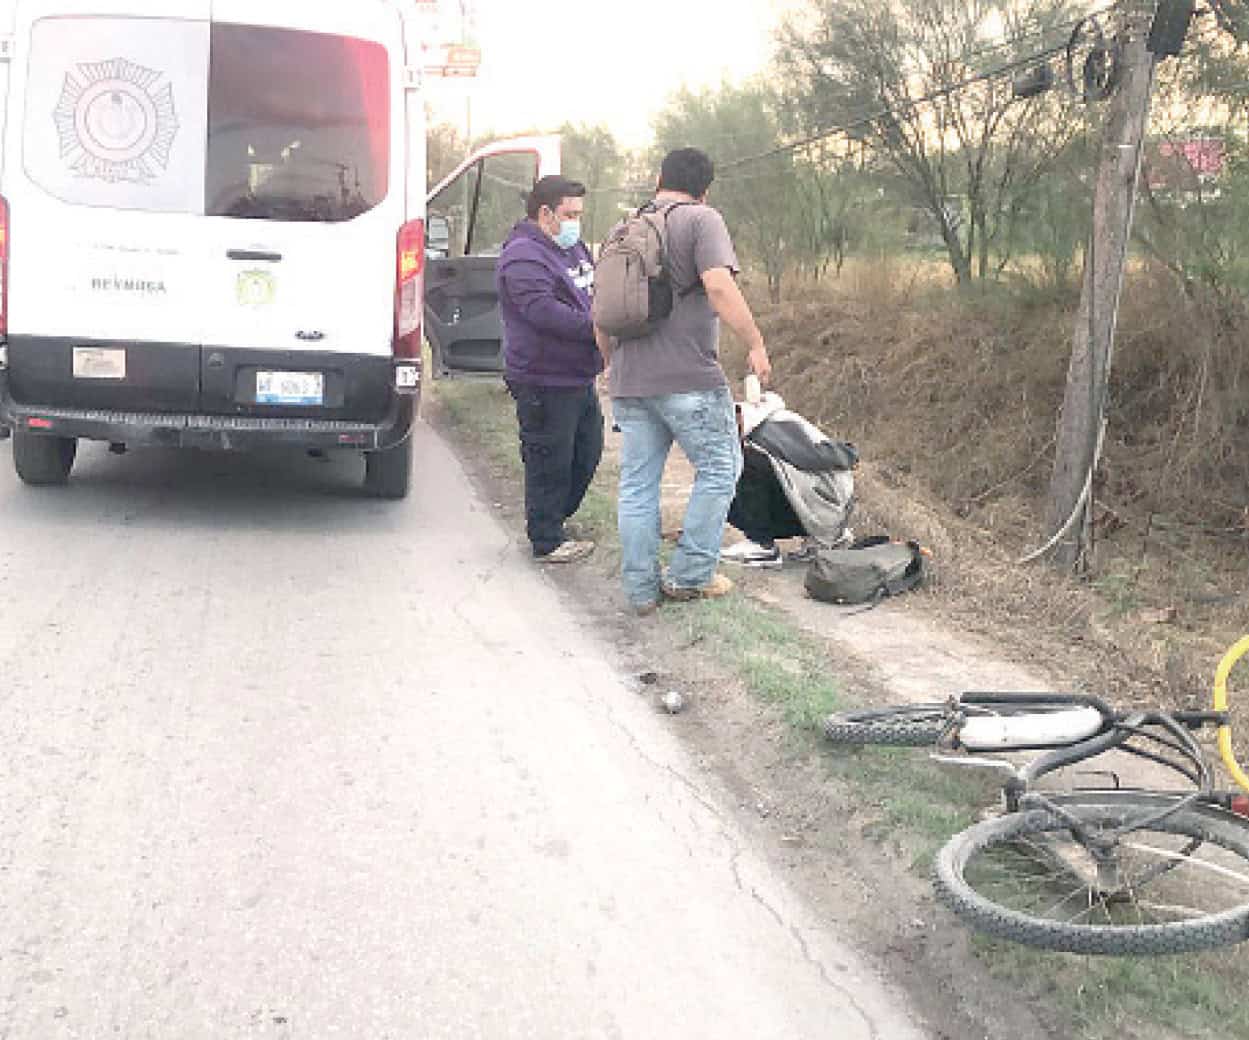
column 506, row 181
column 298, row 125
column 454, row 204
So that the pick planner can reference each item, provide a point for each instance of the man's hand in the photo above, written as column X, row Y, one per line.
column 760, row 364
column 605, row 345
column 727, row 301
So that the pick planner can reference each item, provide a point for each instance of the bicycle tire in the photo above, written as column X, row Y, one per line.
column 1108, row 809
column 921, row 725
column 913, row 725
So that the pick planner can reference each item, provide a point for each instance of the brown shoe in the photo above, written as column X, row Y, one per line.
column 568, row 552
column 718, row 586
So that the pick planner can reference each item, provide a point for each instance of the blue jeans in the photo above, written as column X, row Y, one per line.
column 703, row 423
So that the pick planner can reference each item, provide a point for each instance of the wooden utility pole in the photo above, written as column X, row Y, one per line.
column 1080, row 426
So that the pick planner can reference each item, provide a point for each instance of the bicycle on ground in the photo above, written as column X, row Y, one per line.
column 1098, row 866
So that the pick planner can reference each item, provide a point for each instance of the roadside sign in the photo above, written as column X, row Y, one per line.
column 453, row 61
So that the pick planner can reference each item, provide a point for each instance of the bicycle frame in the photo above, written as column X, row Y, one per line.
column 1170, row 735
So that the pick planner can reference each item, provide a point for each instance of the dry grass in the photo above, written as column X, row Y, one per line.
column 953, row 399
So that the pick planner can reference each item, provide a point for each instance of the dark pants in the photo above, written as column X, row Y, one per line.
column 561, row 442
column 760, row 509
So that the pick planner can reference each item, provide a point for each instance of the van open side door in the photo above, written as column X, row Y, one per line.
column 470, row 214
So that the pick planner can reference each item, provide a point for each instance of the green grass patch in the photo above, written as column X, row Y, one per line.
column 920, row 804
column 481, row 411
column 483, row 416
column 773, row 659
column 1194, row 996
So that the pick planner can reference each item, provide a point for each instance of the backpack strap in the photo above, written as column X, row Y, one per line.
column 666, row 212
column 911, row 577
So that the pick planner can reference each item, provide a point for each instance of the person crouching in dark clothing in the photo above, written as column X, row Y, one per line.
column 545, row 283
column 762, row 512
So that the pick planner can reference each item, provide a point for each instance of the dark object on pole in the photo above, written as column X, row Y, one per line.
column 1170, row 27
column 1036, row 80
column 1093, row 63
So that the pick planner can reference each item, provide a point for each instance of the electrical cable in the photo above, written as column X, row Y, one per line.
column 859, row 122
column 953, row 88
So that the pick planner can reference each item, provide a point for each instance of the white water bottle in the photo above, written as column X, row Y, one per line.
column 754, row 389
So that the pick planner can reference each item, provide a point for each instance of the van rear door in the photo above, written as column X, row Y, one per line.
column 469, row 216
column 305, row 197
column 104, row 160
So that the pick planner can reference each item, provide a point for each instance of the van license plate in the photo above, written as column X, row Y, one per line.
column 305, row 388
column 99, row 363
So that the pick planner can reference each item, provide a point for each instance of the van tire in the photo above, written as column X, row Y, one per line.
column 41, row 459
column 388, row 473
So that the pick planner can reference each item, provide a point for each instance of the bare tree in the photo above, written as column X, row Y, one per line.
column 918, row 77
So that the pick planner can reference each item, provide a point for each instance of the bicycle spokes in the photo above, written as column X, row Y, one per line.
column 1099, row 877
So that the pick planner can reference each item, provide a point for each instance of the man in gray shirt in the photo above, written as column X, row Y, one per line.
column 668, row 385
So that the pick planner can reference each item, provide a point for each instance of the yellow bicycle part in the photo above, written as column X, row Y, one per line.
column 1238, row 650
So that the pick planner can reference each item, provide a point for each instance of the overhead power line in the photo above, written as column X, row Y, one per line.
column 996, row 72
column 943, row 92
column 894, row 111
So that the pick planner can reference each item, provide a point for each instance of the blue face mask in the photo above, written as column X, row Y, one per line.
column 569, row 234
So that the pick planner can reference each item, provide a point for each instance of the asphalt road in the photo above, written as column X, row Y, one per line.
column 276, row 760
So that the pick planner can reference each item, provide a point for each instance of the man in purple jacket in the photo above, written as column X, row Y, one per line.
column 545, row 281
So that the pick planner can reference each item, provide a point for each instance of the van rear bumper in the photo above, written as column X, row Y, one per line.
column 221, row 432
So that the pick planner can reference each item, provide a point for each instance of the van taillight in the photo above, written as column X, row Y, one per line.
column 4, row 266
column 409, row 289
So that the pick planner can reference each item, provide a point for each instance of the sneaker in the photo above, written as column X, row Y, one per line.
column 718, row 586
column 752, row 554
column 567, row 552
column 645, row 609
column 804, row 553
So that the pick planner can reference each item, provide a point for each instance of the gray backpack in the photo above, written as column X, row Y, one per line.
column 866, row 572
column 633, row 289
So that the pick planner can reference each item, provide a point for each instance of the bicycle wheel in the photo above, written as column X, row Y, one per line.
column 1180, row 885
column 911, row 725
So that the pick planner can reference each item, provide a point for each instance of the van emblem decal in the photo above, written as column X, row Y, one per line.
column 256, row 288
column 116, row 121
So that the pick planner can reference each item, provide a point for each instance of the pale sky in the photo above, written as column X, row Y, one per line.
column 609, row 61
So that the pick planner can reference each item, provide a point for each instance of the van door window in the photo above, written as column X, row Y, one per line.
column 506, row 181
column 483, row 204
column 298, row 125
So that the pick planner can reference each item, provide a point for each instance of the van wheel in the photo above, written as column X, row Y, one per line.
column 40, row 459
column 388, row 473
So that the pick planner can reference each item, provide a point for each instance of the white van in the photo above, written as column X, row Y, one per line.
column 212, row 228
